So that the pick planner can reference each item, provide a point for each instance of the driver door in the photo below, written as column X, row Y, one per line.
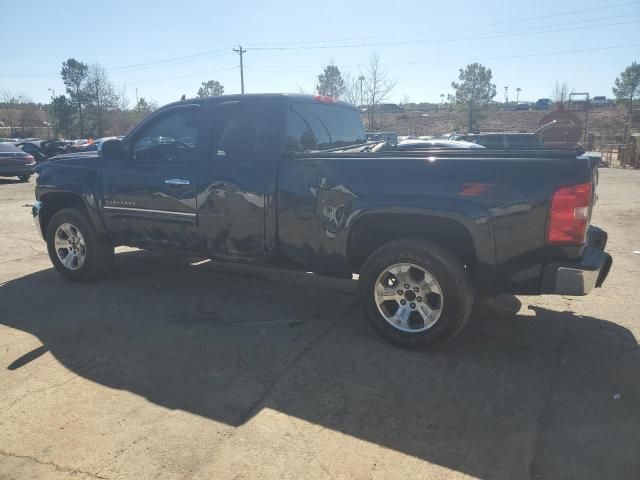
column 150, row 196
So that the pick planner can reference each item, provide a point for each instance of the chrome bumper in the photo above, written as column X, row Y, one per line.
column 579, row 278
column 35, row 212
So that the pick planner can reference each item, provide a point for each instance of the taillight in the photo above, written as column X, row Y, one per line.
column 28, row 160
column 569, row 216
column 325, row 99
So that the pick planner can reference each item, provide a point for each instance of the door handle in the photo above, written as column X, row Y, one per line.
column 176, row 181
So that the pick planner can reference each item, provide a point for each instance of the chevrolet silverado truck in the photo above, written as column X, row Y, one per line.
column 290, row 181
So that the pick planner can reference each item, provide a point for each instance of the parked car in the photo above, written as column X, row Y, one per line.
column 416, row 143
column 388, row 108
column 77, row 144
column 543, row 104
column 599, row 101
column 95, row 145
column 33, row 149
column 389, row 137
column 15, row 162
column 502, row 140
column 54, row 147
column 523, row 106
column 382, row 108
column 289, row 180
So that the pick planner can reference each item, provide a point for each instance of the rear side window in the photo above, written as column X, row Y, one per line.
column 312, row 126
column 235, row 132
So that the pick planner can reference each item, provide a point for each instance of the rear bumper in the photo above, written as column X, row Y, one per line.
column 582, row 276
column 16, row 170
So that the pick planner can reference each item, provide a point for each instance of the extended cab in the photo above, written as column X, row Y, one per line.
column 289, row 180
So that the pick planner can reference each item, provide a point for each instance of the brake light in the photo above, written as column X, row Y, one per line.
column 325, row 99
column 569, row 216
column 28, row 160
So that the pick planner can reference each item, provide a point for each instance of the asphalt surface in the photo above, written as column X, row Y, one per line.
column 172, row 370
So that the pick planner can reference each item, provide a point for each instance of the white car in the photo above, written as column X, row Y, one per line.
column 436, row 143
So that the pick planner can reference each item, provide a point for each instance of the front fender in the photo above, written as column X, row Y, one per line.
column 54, row 198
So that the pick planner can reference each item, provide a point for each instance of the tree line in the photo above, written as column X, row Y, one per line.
column 93, row 106
column 472, row 93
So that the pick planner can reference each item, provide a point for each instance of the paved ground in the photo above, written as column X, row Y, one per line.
column 170, row 370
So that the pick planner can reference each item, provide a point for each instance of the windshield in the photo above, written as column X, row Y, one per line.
column 313, row 126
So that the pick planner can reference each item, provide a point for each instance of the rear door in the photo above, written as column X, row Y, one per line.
column 232, row 178
column 150, row 196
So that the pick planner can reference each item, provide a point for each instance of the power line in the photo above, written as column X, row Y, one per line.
column 169, row 61
column 507, row 33
column 449, row 60
column 185, row 76
column 503, row 22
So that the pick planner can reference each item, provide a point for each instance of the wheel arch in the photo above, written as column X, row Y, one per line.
column 54, row 201
column 373, row 229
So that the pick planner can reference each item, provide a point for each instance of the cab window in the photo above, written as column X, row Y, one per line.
column 169, row 139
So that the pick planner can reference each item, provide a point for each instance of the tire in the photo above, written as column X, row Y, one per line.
column 95, row 253
column 24, row 178
column 435, row 273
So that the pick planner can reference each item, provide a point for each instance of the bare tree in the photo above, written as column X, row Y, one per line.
column 29, row 117
column 560, row 94
column 123, row 105
column 19, row 110
column 352, row 92
column 377, row 86
column 101, row 96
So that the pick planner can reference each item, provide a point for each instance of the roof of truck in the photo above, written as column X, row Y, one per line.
column 298, row 97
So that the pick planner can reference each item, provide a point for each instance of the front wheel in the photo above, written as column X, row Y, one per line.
column 24, row 178
column 415, row 293
column 77, row 251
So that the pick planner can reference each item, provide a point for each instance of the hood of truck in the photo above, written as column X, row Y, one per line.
column 70, row 159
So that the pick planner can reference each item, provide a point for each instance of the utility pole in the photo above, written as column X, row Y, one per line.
column 136, row 97
column 506, row 95
column 53, row 104
column 240, row 51
column 53, row 99
column 361, row 78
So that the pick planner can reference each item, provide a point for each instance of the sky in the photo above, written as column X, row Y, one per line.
column 161, row 50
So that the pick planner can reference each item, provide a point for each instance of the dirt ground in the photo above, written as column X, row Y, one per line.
column 168, row 370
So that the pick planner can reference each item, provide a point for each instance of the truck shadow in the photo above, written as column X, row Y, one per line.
column 9, row 181
column 523, row 393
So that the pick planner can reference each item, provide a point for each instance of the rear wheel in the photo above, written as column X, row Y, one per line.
column 76, row 250
column 415, row 293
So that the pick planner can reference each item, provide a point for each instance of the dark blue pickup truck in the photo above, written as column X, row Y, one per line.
column 289, row 180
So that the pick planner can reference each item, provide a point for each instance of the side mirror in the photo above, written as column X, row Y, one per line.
column 112, row 150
